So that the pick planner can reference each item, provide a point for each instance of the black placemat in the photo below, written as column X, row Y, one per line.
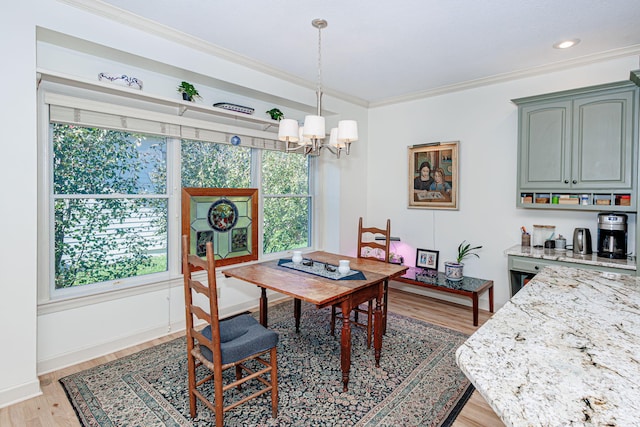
column 319, row 269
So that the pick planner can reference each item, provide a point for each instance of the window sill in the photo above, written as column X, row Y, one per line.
column 72, row 302
column 56, row 305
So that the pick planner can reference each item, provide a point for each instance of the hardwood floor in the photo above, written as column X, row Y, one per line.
column 477, row 412
column 53, row 409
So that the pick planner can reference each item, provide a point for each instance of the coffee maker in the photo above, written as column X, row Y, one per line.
column 612, row 235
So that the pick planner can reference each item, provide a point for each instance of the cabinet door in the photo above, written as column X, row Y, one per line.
column 602, row 141
column 545, row 149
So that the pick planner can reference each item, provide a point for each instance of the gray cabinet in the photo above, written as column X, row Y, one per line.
column 545, row 144
column 579, row 142
column 603, row 141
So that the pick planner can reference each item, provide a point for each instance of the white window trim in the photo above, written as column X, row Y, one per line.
column 190, row 128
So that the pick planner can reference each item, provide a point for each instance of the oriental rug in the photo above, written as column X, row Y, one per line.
column 417, row 383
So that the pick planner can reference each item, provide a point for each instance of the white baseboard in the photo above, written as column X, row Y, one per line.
column 87, row 353
column 82, row 355
column 20, row 393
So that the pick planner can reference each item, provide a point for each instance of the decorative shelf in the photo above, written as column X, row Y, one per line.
column 181, row 106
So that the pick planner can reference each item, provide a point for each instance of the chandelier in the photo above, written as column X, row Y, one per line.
column 311, row 136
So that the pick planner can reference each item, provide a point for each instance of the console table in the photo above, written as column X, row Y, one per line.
column 470, row 287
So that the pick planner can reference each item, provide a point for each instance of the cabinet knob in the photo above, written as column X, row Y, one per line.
column 566, row 181
column 536, row 267
column 574, row 181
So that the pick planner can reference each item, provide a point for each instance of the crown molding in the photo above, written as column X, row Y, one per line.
column 515, row 75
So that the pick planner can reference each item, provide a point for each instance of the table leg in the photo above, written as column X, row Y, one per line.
column 296, row 312
column 345, row 344
column 263, row 307
column 384, row 307
column 475, row 308
column 491, row 299
column 378, row 325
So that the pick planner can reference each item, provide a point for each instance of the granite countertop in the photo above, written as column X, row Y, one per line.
column 569, row 256
column 565, row 350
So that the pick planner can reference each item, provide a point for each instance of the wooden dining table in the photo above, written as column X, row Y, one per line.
column 325, row 292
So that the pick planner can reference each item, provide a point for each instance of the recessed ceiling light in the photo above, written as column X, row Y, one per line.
column 565, row 44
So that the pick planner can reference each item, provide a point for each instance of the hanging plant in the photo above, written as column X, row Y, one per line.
column 188, row 91
column 275, row 114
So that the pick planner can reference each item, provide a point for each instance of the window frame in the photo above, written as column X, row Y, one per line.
column 50, row 301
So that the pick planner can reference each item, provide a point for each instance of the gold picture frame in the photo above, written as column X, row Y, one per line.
column 225, row 216
column 433, row 175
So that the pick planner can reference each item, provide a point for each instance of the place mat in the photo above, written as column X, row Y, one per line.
column 318, row 269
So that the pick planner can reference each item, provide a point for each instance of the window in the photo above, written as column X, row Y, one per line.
column 287, row 202
column 109, row 205
column 211, row 165
column 285, row 186
column 112, row 190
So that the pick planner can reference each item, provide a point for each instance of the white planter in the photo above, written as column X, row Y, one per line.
column 453, row 270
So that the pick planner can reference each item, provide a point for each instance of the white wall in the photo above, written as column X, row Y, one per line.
column 37, row 340
column 485, row 122
column 18, row 213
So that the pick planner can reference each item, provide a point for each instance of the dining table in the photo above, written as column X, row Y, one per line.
column 367, row 279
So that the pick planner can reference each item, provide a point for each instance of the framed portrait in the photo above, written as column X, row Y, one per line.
column 433, row 175
column 227, row 217
column 426, row 258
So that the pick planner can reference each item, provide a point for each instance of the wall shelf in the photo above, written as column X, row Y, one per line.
column 587, row 201
column 181, row 107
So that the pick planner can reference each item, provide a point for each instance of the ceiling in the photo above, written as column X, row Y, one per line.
column 381, row 51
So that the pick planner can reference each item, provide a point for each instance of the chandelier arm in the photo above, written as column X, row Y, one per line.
column 292, row 147
column 333, row 150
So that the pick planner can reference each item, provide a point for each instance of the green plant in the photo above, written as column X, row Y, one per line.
column 466, row 250
column 190, row 91
column 275, row 114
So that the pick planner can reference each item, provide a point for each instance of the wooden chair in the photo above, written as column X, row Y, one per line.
column 224, row 344
column 369, row 248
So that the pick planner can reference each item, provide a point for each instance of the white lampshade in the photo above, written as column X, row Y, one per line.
column 302, row 140
column 347, row 131
column 288, row 130
column 333, row 138
column 314, row 127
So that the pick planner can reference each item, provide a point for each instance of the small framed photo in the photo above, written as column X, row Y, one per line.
column 426, row 258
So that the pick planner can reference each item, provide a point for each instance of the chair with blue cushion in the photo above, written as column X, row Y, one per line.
column 223, row 344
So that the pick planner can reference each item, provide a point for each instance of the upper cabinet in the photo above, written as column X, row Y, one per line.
column 579, row 148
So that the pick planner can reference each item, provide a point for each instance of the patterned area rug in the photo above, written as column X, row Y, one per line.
column 417, row 384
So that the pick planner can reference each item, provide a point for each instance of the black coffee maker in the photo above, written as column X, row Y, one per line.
column 612, row 235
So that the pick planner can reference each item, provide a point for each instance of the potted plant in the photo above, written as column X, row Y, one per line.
column 453, row 269
column 188, row 91
column 275, row 114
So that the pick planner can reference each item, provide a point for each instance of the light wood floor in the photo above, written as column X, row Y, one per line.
column 53, row 409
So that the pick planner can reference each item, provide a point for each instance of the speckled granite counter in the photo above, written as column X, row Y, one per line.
column 569, row 256
column 564, row 351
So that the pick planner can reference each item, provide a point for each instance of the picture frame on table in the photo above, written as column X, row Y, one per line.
column 433, row 175
column 427, row 259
